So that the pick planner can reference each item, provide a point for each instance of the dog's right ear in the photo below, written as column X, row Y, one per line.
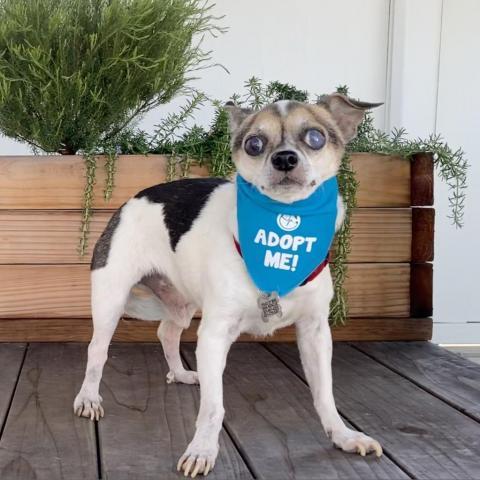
column 236, row 115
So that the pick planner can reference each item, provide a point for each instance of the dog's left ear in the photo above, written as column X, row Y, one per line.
column 347, row 113
column 236, row 115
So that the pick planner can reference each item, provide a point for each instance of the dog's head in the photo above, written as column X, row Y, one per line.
column 289, row 148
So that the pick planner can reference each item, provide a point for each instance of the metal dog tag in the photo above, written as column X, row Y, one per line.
column 269, row 304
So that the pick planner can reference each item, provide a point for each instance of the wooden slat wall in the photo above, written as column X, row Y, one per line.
column 44, row 284
column 59, row 291
column 51, row 236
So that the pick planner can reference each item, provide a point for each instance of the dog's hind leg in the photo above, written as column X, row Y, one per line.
column 110, row 290
column 169, row 334
column 176, row 315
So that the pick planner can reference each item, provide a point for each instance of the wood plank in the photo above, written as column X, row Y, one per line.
column 421, row 433
column 422, row 179
column 57, row 182
column 384, row 181
column 46, row 236
column 44, row 291
column 381, row 235
column 378, row 289
column 270, row 413
column 370, row 329
column 59, row 291
column 423, row 233
column 43, row 439
column 447, row 375
column 11, row 359
column 80, row 330
column 148, row 423
column 51, row 236
column 421, row 290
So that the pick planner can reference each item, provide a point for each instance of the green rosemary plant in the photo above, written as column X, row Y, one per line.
column 74, row 72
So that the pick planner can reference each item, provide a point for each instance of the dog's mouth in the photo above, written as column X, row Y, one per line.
column 287, row 181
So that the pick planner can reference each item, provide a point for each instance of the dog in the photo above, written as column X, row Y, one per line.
column 173, row 249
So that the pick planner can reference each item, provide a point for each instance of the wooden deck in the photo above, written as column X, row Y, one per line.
column 420, row 401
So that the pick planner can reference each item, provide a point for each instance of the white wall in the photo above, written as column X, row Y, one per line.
column 458, row 118
column 419, row 56
column 299, row 43
column 435, row 74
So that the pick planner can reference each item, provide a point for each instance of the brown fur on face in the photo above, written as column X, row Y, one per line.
column 283, row 126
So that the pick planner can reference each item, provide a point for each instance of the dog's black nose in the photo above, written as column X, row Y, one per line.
column 285, row 160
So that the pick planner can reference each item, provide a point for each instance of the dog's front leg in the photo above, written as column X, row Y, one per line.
column 315, row 344
column 214, row 341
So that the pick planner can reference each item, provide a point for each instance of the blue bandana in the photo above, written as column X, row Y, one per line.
column 283, row 243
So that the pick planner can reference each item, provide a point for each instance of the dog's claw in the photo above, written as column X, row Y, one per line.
column 199, row 466
column 88, row 408
column 188, row 466
column 193, row 464
column 356, row 442
column 180, row 462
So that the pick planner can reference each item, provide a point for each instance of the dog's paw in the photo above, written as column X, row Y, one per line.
column 89, row 407
column 197, row 460
column 187, row 376
column 355, row 442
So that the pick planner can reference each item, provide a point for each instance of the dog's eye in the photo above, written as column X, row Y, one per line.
column 314, row 139
column 254, row 145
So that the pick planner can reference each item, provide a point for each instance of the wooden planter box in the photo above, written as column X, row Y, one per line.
column 44, row 285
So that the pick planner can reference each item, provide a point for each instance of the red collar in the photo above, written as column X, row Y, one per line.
column 312, row 276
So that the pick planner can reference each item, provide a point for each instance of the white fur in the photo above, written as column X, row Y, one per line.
column 206, row 272
column 282, row 106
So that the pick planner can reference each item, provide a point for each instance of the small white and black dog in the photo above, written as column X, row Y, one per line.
column 170, row 251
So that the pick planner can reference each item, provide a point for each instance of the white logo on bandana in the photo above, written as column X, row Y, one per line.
column 288, row 223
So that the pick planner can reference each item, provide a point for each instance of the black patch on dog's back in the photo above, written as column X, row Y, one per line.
column 102, row 247
column 182, row 202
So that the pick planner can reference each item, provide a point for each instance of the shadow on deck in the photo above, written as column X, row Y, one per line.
column 421, row 402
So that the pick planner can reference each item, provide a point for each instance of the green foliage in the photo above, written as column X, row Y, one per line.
column 276, row 91
column 90, row 168
column 135, row 142
column 347, row 185
column 166, row 137
column 212, row 148
column 451, row 165
column 74, row 73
